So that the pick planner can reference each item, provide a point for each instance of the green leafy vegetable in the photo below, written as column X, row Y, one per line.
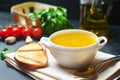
column 3, row 53
column 52, row 20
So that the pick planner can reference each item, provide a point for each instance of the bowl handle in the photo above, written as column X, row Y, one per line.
column 45, row 42
column 101, row 41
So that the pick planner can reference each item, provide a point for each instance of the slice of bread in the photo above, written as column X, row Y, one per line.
column 31, row 46
column 32, row 55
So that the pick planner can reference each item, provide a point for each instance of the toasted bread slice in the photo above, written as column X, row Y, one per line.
column 31, row 46
column 32, row 56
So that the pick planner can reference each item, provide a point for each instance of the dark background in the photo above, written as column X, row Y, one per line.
column 114, row 17
column 72, row 6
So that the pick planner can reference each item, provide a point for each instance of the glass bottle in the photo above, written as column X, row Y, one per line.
column 95, row 20
column 84, row 7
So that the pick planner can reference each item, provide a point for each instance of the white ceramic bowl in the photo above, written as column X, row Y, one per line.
column 70, row 57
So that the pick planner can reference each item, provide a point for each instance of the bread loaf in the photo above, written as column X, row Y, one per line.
column 32, row 55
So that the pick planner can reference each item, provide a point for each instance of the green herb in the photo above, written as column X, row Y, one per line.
column 52, row 20
column 3, row 53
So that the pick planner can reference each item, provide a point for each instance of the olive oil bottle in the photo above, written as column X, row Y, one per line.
column 96, row 21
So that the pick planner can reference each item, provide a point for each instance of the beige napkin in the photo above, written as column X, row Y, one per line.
column 55, row 72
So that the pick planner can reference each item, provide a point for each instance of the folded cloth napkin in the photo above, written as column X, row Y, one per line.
column 55, row 72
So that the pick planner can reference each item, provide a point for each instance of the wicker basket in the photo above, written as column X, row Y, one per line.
column 20, row 12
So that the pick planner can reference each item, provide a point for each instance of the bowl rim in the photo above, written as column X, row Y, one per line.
column 72, row 48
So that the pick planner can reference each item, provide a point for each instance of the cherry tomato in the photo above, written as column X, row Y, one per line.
column 20, row 28
column 10, row 28
column 0, row 33
column 26, row 32
column 15, row 32
column 37, row 33
column 4, row 33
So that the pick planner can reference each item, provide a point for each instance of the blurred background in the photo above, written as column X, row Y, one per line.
column 114, row 15
column 72, row 6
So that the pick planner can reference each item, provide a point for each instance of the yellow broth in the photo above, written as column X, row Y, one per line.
column 74, row 39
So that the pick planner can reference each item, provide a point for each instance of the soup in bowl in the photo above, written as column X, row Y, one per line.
column 73, row 48
column 74, row 39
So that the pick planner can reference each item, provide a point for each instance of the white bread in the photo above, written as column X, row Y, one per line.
column 31, row 46
column 32, row 55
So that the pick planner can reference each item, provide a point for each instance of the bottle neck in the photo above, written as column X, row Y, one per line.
column 96, row 4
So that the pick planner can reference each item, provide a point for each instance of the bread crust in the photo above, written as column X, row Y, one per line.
column 32, row 56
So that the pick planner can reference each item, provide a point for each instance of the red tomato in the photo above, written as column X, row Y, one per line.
column 10, row 28
column 4, row 33
column 26, row 32
column 37, row 33
column 0, row 33
column 15, row 32
column 20, row 28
